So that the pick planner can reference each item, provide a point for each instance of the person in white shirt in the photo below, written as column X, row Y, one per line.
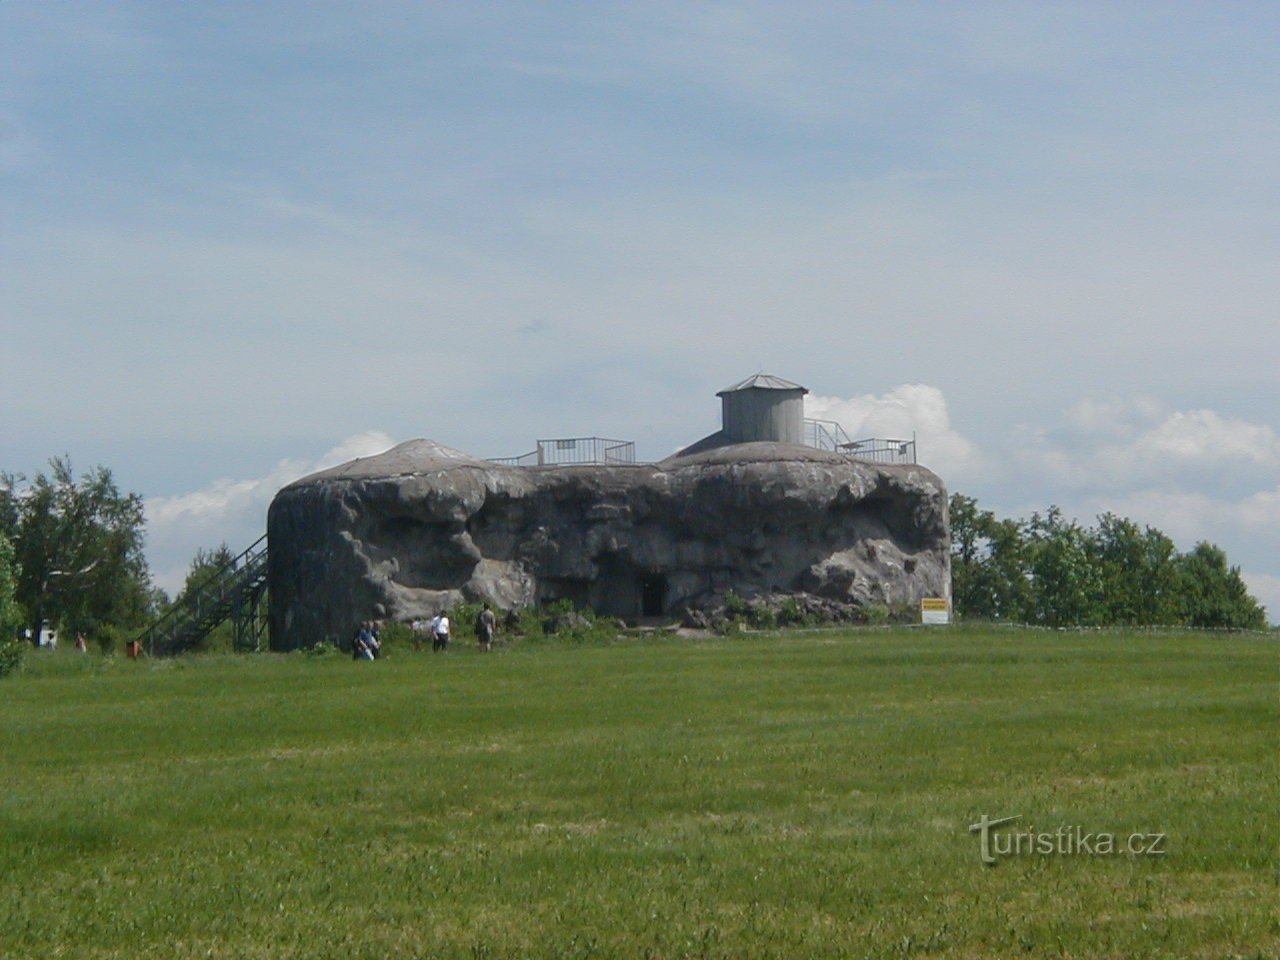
column 440, row 633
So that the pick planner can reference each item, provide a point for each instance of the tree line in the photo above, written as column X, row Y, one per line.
column 1051, row 571
column 71, row 557
column 74, row 555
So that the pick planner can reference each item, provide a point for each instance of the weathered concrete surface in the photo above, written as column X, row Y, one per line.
column 422, row 526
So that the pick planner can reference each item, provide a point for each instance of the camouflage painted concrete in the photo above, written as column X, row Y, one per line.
column 423, row 526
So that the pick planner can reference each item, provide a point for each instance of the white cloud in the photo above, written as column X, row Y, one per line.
column 909, row 409
column 1202, row 435
column 367, row 444
column 1113, row 417
column 1190, row 515
column 232, row 511
column 1132, row 443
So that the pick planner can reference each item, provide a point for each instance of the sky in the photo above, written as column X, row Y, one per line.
column 242, row 241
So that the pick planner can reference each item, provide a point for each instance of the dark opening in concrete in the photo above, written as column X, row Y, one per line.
column 653, row 594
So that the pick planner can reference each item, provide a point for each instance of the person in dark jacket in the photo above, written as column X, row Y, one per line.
column 486, row 624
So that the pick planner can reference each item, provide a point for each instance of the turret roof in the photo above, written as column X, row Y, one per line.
column 762, row 381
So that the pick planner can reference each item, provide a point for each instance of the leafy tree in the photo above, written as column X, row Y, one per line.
column 1052, row 571
column 1212, row 594
column 79, row 549
column 1009, row 574
column 969, row 531
column 990, row 579
column 1066, row 582
column 10, row 614
column 1138, row 571
column 205, row 567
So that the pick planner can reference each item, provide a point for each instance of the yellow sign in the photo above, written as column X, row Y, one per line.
column 935, row 610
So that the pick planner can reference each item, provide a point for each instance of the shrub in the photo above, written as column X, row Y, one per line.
column 762, row 617
column 322, row 649
column 727, row 628
column 791, row 613
column 877, row 614
column 570, row 624
column 12, row 652
column 221, row 639
column 394, row 634
column 903, row 613
column 111, row 638
column 462, row 618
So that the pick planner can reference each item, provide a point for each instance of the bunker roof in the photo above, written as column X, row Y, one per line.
column 762, row 381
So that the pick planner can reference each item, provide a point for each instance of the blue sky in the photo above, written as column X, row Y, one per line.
column 239, row 240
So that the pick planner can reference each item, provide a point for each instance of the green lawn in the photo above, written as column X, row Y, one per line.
column 791, row 795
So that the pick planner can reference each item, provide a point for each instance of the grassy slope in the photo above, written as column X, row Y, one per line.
column 804, row 795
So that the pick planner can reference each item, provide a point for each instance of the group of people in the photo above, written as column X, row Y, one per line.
column 133, row 649
column 366, row 646
column 438, row 627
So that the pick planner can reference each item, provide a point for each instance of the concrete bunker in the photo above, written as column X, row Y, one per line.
column 748, row 509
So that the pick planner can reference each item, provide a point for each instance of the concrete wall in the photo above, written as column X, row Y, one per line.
column 422, row 527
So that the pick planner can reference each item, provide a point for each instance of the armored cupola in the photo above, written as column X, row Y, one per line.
column 763, row 407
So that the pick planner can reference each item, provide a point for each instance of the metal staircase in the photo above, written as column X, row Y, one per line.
column 235, row 591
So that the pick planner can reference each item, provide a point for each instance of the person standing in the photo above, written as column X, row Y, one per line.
column 486, row 624
column 360, row 649
column 440, row 633
column 367, row 641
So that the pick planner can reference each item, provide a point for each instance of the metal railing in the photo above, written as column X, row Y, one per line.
column 825, row 435
column 829, row 435
column 881, row 450
column 233, row 591
column 529, row 459
column 573, row 451
column 586, row 450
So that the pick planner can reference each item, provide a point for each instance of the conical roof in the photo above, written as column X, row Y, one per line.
column 762, row 381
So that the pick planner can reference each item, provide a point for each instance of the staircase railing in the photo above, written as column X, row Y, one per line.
column 232, row 592
column 825, row 434
column 829, row 435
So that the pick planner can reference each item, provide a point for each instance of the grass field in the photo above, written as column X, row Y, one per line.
column 789, row 795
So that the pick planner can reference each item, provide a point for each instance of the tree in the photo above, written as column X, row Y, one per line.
column 1066, row 582
column 1138, row 572
column 1212, row 594
column 969, row 532
column 1009, row 574
column 990, row 576
column 1052, row 571
column 78, row 545
column 10, row 613
column 205, row 567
